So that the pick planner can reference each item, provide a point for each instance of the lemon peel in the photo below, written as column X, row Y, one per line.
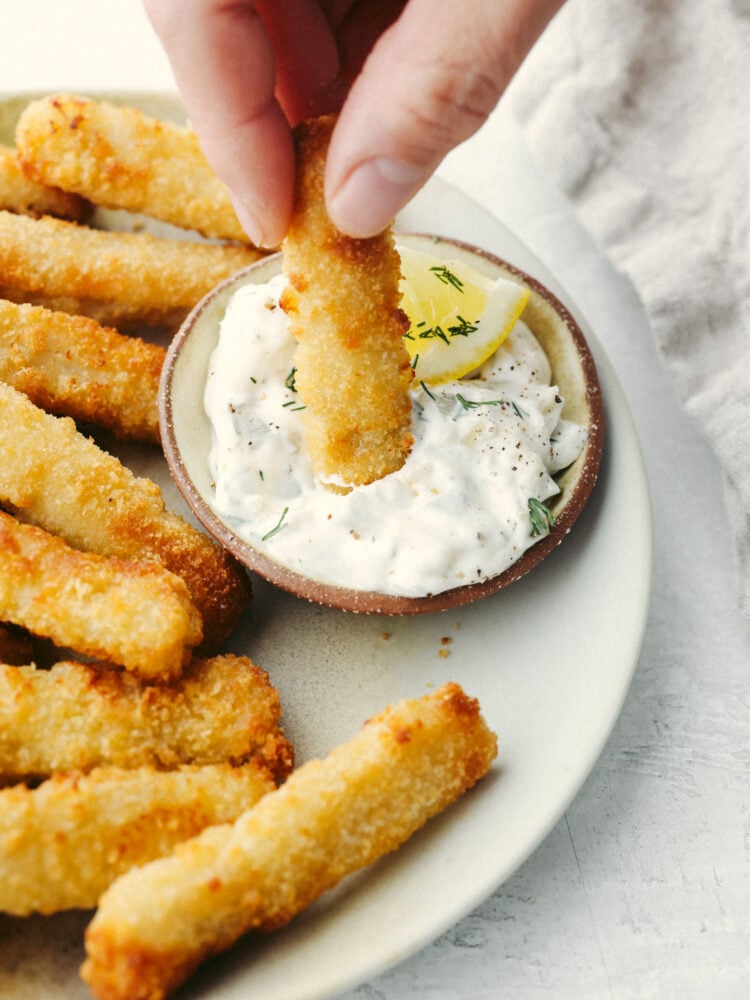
column 458, row 317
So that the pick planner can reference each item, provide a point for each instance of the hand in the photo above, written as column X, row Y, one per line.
column 410, row 78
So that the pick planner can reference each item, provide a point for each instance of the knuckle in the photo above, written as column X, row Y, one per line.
column 454, row 103
column 466, row 91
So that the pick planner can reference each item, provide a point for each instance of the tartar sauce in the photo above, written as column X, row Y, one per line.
column 456, row 513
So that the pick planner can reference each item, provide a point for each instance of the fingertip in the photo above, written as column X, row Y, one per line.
column 372, row 194
column 265, row 223
column 224, row 65
column 390, row 137
column 251, row 225
column 256, row 162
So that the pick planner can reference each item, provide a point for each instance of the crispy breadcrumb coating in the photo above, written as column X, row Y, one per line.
column 135, row 614
column 76, row 716
column 54, row 477
column 72, row 366
column 120, row 157
column 343, row 302
column 331, row 817
column 120, row 279
column 64, row 842
column 20, row 194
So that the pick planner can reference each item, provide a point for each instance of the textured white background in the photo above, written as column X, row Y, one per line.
column 643, row 888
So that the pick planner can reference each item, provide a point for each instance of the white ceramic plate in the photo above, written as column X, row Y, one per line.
column 550, row 658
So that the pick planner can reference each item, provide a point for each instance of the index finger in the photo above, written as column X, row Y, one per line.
column 223, row 64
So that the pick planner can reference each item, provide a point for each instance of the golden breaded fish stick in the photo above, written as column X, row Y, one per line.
column 331, row 817
column 73, row 367
column 119, row 279
column 343, row 301
column 54, row 477
column 135, row 614
column 120, row 157
column 64, row 842
column 76, row 716
column 18, row 193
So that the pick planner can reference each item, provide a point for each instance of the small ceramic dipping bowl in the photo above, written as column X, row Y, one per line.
column 186, row 431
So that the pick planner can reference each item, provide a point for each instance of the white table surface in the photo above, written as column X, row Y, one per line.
column 642, row 890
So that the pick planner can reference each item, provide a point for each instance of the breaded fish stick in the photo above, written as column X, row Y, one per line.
column 20, row 194
column 63, row 843
column 119, row 279
column 76, row 716
column 135, row 614
column 332, row 816
column 72, row 366
column 120, row 157
column 56, row 478
column 343, row 301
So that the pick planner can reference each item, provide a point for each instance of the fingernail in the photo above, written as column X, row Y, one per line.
column 373, row 194
column 250, row 224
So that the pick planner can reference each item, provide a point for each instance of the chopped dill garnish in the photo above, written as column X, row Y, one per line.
column 291, row 385
column 541, row 518
column 277, row 528
column 463, row 327
column 426, row 390
column 444, row 274
column 460, row 328
column 260, row 473
column 434, row 333
column 472, row 404
column 253, row 380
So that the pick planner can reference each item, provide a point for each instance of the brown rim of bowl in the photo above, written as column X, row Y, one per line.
column 366, row 602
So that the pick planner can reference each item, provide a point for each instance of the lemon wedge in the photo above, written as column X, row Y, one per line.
column 458, row 317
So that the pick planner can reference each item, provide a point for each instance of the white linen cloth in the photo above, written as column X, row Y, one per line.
column 639, row 110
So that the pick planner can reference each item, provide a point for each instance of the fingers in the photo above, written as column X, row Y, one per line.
column 308, row 68
column 223, row 63
column 429, row 83
column 358, row 25
column 247, row 69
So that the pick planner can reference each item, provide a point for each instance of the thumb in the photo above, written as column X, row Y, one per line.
column 430, row 82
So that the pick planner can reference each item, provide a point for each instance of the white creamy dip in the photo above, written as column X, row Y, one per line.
column 456, row 513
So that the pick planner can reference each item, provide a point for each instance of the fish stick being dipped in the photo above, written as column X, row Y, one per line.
column 76, row 716
column 135, row 614
column 20, row 194
column 72, row 366
column 120, row 157
column 343, row 301
column 56, row 478
column 63, row 843
column 331, row 817
column 120, row 279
